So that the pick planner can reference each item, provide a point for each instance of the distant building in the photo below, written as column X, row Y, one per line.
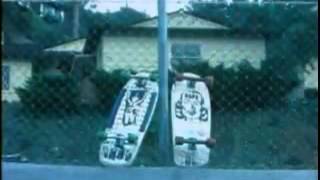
column 17, row 55
column 311, row 79
column 191, row 39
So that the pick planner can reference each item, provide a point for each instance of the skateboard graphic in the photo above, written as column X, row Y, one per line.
column 191, row 120
column 129, row 120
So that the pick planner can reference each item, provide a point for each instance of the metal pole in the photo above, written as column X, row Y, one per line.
column 164, row 140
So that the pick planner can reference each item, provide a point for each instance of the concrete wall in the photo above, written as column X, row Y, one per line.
column 19, row 72
column 139, row 52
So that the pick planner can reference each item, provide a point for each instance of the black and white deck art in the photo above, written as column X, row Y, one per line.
column 133, row 106
column 129, row 119
column 191, row 107
column 191, row 119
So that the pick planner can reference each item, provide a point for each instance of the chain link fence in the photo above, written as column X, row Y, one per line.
column 57, row 90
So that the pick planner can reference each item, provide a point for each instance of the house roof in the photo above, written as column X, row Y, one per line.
column 181, row 20
column 20, row 52
column 16, row 38
column 59, row 46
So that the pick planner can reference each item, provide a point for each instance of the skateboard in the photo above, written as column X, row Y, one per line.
column 129, row 120
column 191, row 120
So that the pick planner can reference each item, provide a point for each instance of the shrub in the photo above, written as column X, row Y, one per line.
column 44, row 93
column 244, row 87
column 108, row 85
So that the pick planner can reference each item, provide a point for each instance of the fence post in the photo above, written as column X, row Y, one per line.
column 163, row 60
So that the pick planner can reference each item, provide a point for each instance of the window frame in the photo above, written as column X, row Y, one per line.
column 183, row 58
column 5, row 78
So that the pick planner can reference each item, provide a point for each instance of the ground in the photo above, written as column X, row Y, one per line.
column 275, row 138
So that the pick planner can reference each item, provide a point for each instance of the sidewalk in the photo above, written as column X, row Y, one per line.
column 19, row 171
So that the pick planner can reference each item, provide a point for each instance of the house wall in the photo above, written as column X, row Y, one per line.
column 19, row 72
column 311, row 76
column 129, row 52
column 139, row 52
column 229, row 51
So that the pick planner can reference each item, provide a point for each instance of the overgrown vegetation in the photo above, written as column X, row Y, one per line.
column 50, row 94
column 48, row 33
column 244, row 87
column 290, row 29
column 108, row 86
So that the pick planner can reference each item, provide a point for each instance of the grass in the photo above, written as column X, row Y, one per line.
column 279, row 138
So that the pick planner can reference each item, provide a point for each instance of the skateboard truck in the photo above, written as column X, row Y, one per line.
column 210, row 142
column 208, row 80
column 141, row 81
column 118, row 150
column 120, row 140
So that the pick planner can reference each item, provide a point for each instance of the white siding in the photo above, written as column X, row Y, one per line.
column 311, row 76
column 130, row 52
column 19, row 73
column 140, row 52
column 231, row 51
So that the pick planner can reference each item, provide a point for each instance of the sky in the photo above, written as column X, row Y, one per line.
column 147, row 6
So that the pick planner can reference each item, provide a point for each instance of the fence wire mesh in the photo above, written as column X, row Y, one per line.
column 63, row 65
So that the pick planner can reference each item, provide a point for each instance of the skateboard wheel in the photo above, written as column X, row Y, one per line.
column 132, row 138
column 209, row 81
column 178, row 77
column 210, row 142
column 179, row 140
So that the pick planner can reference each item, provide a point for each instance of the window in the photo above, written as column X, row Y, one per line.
column 186, row 52
column 5, row 77
column 2, row 38
column 51, row 14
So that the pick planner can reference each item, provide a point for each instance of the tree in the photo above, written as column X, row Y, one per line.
column 21, row 20
column 290, row 29
column 126, row 16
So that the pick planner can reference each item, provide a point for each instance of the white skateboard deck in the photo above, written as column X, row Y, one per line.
column 129, row 121
column 191, row 119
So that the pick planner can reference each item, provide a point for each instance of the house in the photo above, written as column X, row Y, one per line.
column 191, row 39
column 69, row 58
column 311, row 79
column 17, row 55
column 69, row 55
